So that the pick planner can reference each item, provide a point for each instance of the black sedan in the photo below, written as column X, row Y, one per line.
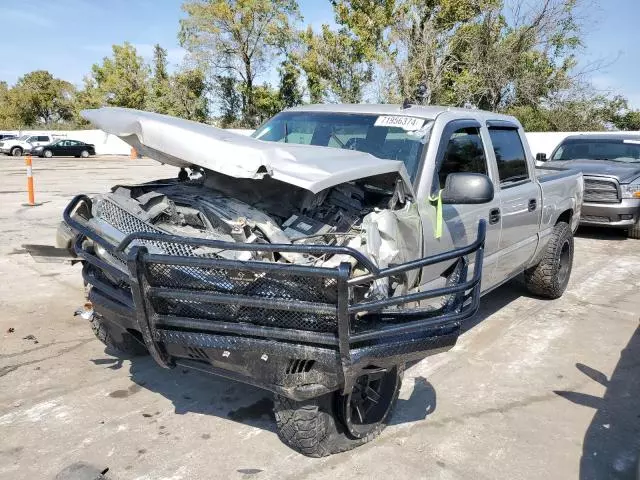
column 65, row 148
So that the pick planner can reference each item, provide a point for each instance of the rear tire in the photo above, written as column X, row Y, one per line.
column 126, row 343
column 549, row 278
column 320, row 426
column 634, row 232
column 16, row 152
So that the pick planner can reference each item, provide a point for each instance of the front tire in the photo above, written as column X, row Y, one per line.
column 549, row 278
column 84, row 154
column 47, row 154
column 336, row 423
column 634, row 232
column 16, row 152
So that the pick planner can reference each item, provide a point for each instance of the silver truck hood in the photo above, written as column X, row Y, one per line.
column 184, row 143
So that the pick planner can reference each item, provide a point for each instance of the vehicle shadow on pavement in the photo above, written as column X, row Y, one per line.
column 420, row 404
column 612, row 441
column 495, row 301
column 197, row 392
column 423, row 399
column 601, row 233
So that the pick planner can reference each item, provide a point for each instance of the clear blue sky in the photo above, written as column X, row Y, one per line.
column 67, row 36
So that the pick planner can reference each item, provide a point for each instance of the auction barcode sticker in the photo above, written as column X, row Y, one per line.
column 636, row 142
column 398, row 121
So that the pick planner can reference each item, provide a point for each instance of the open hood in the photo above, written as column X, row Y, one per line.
column 184, row 143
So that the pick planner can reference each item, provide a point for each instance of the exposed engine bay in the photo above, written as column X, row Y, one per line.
column 374, row 215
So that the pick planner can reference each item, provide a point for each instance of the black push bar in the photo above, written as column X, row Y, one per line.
column 380, row 322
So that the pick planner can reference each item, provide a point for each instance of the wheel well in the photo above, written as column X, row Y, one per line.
column 565, row 216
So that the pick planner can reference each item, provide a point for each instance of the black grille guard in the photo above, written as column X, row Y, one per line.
column 398, row 324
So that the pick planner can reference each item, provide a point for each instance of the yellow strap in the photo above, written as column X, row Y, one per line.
column 438, row 200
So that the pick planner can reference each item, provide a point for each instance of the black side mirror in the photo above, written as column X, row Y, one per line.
column 541, row 157
column 467, row 188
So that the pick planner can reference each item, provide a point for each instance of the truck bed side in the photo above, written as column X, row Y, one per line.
column 562, row 192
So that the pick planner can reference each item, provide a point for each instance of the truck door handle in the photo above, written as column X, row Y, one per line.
column 494, row 216
column 533, row 204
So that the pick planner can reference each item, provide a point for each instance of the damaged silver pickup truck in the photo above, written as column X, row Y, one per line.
column 319, row 256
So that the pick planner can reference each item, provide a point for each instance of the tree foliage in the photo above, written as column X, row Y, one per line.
column 336, row 65
column 238, row 39
column 187, row 96
column 248, row 59
column 229, row 101
column 289, row 92
column 121, row 80
column 159, row 96
column 38, row 99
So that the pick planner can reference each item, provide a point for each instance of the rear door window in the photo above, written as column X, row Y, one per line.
column 510, row 155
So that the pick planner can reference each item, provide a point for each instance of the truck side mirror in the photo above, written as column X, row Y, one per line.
column 541, row 157
column 467, row 188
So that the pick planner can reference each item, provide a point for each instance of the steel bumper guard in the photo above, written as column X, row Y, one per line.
column 203, row 301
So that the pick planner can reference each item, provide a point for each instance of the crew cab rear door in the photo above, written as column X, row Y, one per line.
column 520, row 198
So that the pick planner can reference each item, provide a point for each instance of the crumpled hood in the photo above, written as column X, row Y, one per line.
column 623, row 172
column 184, row 143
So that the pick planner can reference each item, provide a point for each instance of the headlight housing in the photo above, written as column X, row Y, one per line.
column 631, row 190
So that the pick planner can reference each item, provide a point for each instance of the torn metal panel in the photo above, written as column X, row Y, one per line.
column 392, row 237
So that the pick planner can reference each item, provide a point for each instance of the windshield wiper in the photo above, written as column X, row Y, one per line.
column 335, row 137
column 286, row 133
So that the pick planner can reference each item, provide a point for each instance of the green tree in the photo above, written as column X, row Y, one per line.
column 310, row 60
column 267, row 101
column 160, row 89
column 336, row 65
column 238, row 39
column 121, row 80
column 229, row 100
column 7, row 113
column 629, row 120
column 289, row 93
column 516, row 63
column 187, row 97
column 40, row 99
column 580, row 109
column 481, row 53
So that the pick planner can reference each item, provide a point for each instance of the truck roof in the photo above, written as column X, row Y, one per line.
column 424, row 111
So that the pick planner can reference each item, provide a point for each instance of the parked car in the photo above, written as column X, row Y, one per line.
column 65, row 148
column 611, row 167
column 7, row 136
column 318, row 257
column 24, row 144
